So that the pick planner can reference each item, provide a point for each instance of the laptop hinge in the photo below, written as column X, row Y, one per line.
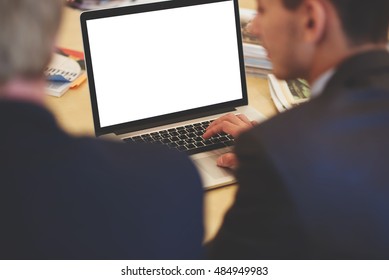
column 174, row 120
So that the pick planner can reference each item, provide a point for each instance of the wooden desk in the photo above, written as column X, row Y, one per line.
column 74, row 114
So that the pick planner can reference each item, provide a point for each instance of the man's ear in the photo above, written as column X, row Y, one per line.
column 313, row 20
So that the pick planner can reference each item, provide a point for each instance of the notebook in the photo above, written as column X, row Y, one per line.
column 158, row 69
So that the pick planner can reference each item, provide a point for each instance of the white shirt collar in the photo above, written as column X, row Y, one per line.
column 319, row 84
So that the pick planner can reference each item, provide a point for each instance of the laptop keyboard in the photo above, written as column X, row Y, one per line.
column 186, row 138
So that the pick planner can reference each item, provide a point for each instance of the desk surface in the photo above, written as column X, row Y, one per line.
column 74, row 114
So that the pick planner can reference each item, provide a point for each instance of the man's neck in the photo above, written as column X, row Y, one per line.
column 24, row 90
column 330, row 59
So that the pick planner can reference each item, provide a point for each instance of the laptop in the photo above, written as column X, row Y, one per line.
column 161, row 72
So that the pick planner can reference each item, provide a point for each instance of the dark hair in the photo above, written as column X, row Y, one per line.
column 364, row 21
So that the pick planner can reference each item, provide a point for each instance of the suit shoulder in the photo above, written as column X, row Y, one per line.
column 146, row 161
column 289, row 122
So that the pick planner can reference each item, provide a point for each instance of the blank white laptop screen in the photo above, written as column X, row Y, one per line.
column 155, row 63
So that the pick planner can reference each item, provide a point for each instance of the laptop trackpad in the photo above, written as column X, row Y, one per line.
column 208, row 165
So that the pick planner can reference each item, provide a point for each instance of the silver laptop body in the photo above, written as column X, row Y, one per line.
column 159, row 66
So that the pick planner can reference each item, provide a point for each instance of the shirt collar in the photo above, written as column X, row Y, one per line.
column 319, row 84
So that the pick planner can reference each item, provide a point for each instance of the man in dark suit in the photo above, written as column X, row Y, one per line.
column 80, row 198
column 313, row 181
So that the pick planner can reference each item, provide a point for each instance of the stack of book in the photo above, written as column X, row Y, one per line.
column 66, row 70
column 287, row 94
column 255, row 56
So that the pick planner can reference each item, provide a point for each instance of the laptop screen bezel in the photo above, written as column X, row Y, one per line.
column 167, row 118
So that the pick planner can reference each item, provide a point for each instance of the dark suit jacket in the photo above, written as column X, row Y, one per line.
column 314, row 181
column 82, row 198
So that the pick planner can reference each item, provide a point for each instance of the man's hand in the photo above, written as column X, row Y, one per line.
column 231, row 124
column 227, row 160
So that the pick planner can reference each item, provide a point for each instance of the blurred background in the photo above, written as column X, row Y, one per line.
column 102, row 4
